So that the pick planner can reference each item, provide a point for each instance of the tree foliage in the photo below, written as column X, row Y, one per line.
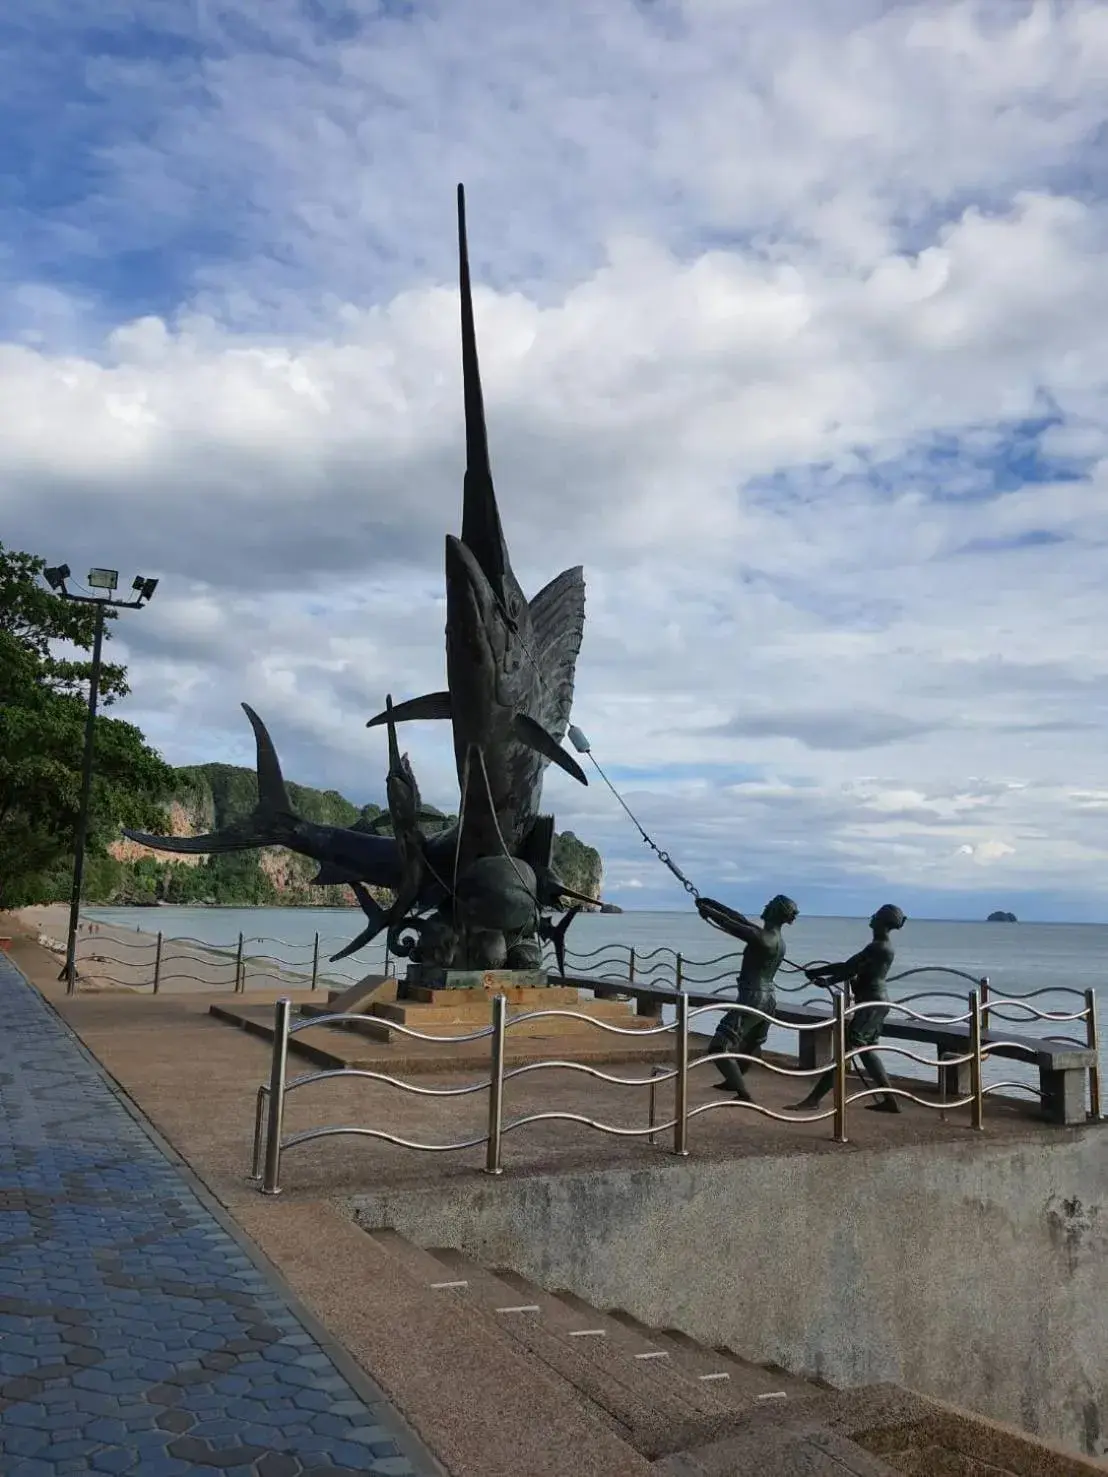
column 43, row 679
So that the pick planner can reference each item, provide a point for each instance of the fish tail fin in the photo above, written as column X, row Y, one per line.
column 270, row 823
column 377, row 916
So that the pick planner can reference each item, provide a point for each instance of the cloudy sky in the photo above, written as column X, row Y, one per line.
column 792, row 321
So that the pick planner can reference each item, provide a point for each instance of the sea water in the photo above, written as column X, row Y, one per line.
column 1016, row 958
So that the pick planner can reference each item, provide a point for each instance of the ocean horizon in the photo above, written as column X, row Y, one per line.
column 1058, row 959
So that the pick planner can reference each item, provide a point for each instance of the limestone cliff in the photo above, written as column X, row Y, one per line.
column 211, row 796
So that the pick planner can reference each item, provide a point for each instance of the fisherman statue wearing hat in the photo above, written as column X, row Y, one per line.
column 865, row 972
column 765, row 949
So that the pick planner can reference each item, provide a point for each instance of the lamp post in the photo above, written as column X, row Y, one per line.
column 106, row 580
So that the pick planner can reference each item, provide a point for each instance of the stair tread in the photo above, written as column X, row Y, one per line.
column 510, row 1414
column 657, row 1406
column 746, row 1380
column 567, row 1310
column 808, row 1450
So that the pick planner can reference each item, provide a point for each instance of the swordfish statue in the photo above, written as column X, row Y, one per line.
column 510, row 677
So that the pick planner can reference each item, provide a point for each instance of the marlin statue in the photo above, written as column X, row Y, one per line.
column 414, row 873
column 344, row 853
column 510, row 674
column 509, row 662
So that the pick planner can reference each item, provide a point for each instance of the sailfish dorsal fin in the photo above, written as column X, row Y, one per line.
column 481, row 530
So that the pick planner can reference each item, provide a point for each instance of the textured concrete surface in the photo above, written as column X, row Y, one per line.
column 974, row 1271
column 136, row 1334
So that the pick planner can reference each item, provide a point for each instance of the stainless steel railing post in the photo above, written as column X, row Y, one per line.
column 259, row 1121
column 271, row 1182
column 496, row 1084
column 681, row 1081
column 840, row 1067
column 977, row 1108
column 652, row 1108
column 1092, row 1037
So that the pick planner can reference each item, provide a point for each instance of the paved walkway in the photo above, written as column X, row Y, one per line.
column 136, row 1334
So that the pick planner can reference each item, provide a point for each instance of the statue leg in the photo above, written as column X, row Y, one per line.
column 729, row 1036
column 863, row 1029
column 867, row 1034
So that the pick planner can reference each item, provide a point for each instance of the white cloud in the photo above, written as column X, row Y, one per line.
column 793, row 339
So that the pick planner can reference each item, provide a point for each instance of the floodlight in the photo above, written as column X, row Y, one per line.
column 56, row 576
column 578, row 740
column 103, row 579
column 144, row 587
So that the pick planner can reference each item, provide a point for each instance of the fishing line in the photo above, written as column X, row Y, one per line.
column 582, row 745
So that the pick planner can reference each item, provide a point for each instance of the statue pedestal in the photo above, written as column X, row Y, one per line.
column 423, row 978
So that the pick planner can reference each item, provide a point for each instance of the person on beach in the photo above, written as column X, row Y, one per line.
column 865, row 973
column 765, row 949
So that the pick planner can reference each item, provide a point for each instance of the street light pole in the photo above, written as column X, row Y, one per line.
column 106, row 580
column 70, row 971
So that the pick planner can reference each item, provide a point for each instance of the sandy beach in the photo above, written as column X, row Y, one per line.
column 112, row 957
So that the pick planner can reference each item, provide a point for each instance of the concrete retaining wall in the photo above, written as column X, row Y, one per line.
column 977, row 1273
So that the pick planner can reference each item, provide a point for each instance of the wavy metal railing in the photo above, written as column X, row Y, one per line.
column 204, row 959
column 269, row 1143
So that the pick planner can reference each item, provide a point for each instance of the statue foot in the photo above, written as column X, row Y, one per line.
column 722, row 1087
column 804, row 1106
column 886, row 1105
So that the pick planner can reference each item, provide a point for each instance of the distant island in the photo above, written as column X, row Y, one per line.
column 1001, row 917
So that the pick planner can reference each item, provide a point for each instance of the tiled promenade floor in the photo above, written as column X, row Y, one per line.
column 136, row 1335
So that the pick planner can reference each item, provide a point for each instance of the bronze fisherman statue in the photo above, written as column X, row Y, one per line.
column 765, row 949
column 865, row 973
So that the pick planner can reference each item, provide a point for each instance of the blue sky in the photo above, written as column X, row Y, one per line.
column 791, row 325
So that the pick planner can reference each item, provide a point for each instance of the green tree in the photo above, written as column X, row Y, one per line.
column 42, row 724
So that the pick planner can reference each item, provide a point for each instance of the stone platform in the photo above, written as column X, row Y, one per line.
column 375, row 1042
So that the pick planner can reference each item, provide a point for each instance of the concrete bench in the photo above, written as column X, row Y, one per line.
column 1062, row 1069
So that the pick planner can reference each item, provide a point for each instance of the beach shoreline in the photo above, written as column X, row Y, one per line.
column 114, row 956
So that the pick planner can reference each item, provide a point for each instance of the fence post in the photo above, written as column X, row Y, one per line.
column 158, row 965
column 1092, row 1037
column 681, row 1081
column 388, row 959
column 278, row 1071
column 977, row 1108
column 631, row 965
column 496, row 1084
column 652, row 1109
column 984, row 987
column 840, row 1068
column 240, row 983
column 315, row 963
column 259, row 1123
column 679, row 982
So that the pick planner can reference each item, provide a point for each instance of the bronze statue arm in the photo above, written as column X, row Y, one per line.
column 721, row 916
column 838, row 974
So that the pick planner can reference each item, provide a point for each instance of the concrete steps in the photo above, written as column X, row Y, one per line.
column 803, row 1449
column 660, row 1395
column 734, row 1375
column 643, row 1397
column 654, row 1410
